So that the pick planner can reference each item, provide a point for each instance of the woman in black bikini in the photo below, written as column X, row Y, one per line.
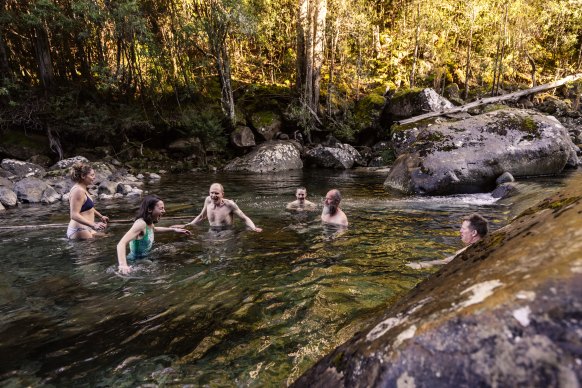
column 82, row 209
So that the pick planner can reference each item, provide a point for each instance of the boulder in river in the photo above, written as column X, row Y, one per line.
column 270, row 156
column 505, row 312
column 467, row 156
column 340, row 156
column 34, row 190
column 7, row 197
column 21, row 169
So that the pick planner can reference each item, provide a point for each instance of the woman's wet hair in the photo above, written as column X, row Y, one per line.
column 78, row 171
column 147, row 207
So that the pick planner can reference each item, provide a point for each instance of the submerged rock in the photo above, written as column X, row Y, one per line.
column 505, row 312
column 270, row 156
column 467, row 156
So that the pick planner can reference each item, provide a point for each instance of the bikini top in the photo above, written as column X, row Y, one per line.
column 88, row 204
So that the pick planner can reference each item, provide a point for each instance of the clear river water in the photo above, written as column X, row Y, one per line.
column 235, row 308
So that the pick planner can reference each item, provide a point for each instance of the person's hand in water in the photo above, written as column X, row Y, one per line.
column 124, row 269
column 177, row 229
column 100, row 226
column 258, row 230
column 104, row 219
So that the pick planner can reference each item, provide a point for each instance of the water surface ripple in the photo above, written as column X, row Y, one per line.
column 234, row 308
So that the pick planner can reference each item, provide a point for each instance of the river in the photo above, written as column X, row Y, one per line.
column 235, row 308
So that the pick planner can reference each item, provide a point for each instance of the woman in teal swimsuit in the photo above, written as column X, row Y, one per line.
column 141, row 235
column 82, row 209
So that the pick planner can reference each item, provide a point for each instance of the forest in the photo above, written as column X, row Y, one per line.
column 116, row 72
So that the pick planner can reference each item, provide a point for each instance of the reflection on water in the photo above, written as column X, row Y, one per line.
column 228, row 307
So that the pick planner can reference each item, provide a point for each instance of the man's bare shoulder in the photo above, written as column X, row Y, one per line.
column 230, row 203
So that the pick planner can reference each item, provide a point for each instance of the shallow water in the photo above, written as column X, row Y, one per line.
column 234, row 308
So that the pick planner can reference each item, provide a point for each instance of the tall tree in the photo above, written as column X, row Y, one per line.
column 310, row 51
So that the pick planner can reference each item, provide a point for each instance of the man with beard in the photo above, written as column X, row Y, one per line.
column 141, row 235
column 301, row 203
column 332, row 214
column 220, row 211
column 473, row 228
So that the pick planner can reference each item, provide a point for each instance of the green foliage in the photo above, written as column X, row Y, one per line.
column 207, row 126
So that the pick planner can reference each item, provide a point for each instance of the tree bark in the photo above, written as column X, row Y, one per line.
column 310, row 50
column 415, row 55
column 491, row 100
column 43, row 57
column 318, row 47
column 5, row 71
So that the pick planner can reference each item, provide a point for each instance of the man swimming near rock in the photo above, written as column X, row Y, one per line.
column 301, row 203
column 220, row 211
column 473, row 228
column 332, row 214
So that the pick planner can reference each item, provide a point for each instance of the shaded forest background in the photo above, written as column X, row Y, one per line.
column 117, row 73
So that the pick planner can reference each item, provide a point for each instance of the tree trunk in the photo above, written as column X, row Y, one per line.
column 301, row 36
column 468, row 64
column 4, row 65
column 318, row 46
column 310, row 52
column 533, row 69
column 43, row 57
column 415, row 55
column 227, row 98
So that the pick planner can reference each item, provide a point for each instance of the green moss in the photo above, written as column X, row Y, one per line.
column 264, row 118
column 406, row 92
column 495, row 240
column 554, row 204
column 418, row 124
column 493, row 107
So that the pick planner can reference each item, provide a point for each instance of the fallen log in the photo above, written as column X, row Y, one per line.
column 491, row 100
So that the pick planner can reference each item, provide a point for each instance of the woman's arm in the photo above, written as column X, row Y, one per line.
column 175, row 229
column 199, row 218
column 103, row 218
column 138, row 228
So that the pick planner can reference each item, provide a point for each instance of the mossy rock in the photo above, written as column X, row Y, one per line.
column 368, row 109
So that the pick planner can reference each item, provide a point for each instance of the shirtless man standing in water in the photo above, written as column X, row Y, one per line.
column 220, row 211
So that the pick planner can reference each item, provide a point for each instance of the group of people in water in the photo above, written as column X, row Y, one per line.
column 219, row 212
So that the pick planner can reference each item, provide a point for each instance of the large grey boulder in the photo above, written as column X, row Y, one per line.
column 242, row 137
column 269, row 157
column 7, row 197
column 414, row 102
column 69, row 162
column 341, row 156
column 468, row 155
column 22, row 169
column 34, row 190
column 504, row 313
